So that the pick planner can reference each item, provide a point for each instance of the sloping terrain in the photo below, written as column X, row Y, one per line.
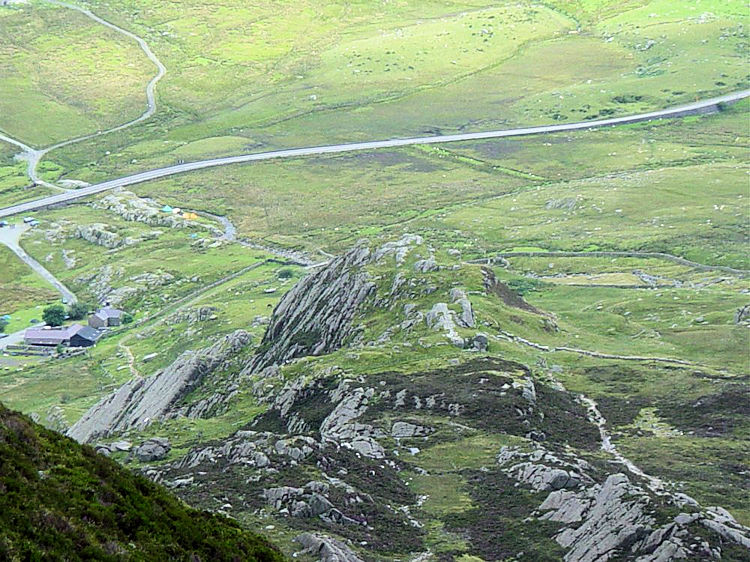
column 464, row 450
column 529, row 348
column 61, row 501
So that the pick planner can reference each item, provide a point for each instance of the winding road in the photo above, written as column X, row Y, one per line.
column 706, row 106
column 10, row 237
column 34, row 155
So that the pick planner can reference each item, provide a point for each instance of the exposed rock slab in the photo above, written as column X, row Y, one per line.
column 316, row 315
column 326, row 548
column 140, row 401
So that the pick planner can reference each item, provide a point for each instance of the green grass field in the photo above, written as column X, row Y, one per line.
column 64, row 75
column 251, row 77
column 342, row 71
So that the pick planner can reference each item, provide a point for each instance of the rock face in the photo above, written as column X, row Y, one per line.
column 441, row 318
column 614, row 519
column 326, row 548
column 98, row 234
column 742, row 315
column 401, row 429
column 316, row 316
column 140, row 401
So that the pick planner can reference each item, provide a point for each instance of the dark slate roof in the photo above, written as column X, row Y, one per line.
column 89, row 333
column 101, row 316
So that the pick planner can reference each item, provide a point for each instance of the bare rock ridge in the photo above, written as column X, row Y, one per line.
column 141, row 401
column 315, row 317
column 615, row 518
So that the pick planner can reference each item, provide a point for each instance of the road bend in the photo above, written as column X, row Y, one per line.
column 700, row 107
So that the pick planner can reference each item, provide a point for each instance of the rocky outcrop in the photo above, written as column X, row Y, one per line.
column 402, row 429
column 252, row 448
column 130, row 207
column 441, row 318
column 140, row 401
column 98, row 234
column 614, row 519
column 104, row 283
column 466, row 318
column 399, row 249
column 193, row 315
column 542, row 470
column 326, row 548
column 306, row 502
column 340, row 426
column 153, row 449
column 742, row 315
column 317, row 315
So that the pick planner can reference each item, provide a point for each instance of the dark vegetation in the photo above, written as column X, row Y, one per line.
column 79, row 310
column 483, row 399
column 54, row 315
column 62, row 501
column 710, row 415
column 498, row 527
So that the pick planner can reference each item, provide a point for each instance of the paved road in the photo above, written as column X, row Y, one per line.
column 34, row 155
column 10, row 238
column 705, row 106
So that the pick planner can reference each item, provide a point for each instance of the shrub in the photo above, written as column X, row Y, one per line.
column 78, row 310
column 54, row 315
column 127, row 318
column 524, row 286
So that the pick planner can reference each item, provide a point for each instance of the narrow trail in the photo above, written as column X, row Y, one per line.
column 131, row 359
column 34, row 155
column 606, row 254
column 564, row 349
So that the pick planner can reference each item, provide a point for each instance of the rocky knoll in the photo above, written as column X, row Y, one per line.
column 320, row 313
column 141, row 401
column 316, row 316
column 616, row 518
column 138, row 209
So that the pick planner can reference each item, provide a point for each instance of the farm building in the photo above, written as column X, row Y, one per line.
column 74, row 335
column 86, row 336
column 106, row 318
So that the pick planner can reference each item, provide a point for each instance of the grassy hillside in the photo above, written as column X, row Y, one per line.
column 64, row 75
column 240, row 78
column 61, row 501
column 659, row 343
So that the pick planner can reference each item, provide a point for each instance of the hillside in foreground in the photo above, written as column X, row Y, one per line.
column 62, row 501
